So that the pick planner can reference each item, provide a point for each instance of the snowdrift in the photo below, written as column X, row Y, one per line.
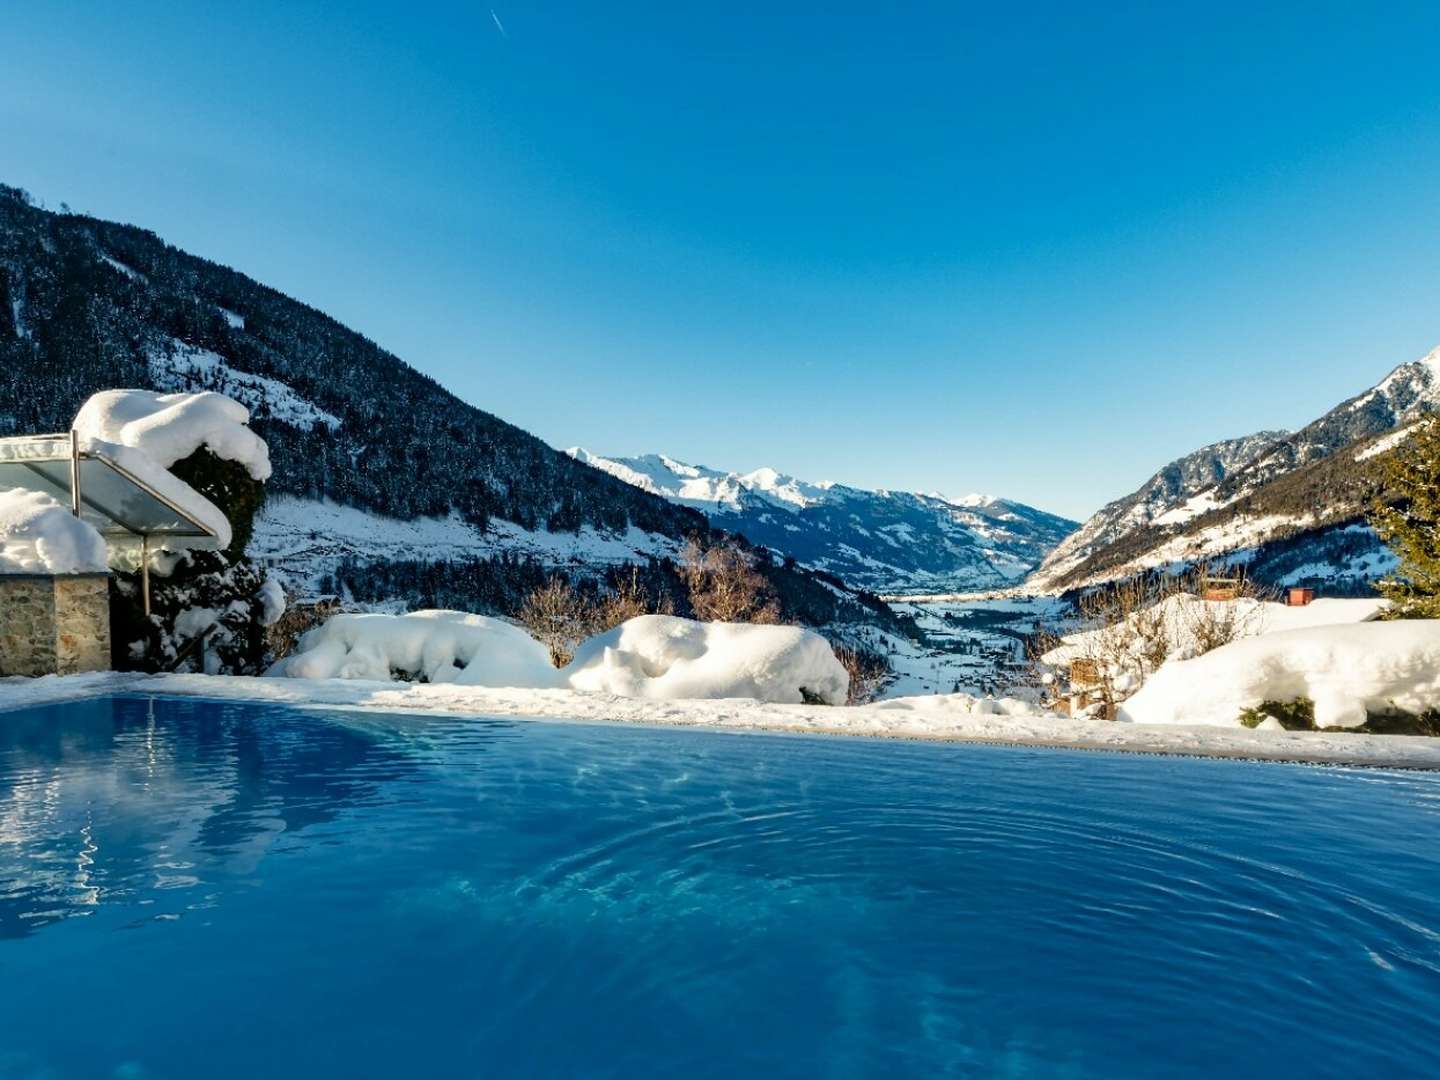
column 1179, row 617
column 38, row 535
column 654, row 656
column 1348, row 671
column 662, row 656
column 437, row 646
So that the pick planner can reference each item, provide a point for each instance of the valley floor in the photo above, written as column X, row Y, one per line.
column 978, row 642
column 951, row 717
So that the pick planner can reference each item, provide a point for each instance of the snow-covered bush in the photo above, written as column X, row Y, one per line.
column 230, row 603
column 662, row 656
column 198, row 450
column 430, row 646
column 653, row 656
column 1140, row 627
column 168, row 428
column 1349, row 672
column 38, row 535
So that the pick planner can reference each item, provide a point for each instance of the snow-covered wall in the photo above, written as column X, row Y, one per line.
column 38, row 535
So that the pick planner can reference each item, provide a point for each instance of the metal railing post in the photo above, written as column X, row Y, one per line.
column 145, row 571
column 74, row 473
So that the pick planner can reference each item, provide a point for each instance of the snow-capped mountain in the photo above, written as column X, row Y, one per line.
column 1172, row 487
column 894, row 542
column 1289, row 504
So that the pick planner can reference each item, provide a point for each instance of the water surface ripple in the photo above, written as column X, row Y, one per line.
column 197, row 889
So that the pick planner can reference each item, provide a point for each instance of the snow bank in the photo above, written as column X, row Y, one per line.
column 664, row 657
column 1348, row 671
column 38, row 535
column 1183, row 614
column 438, row 646
column 654, row 656
column 170, row 427
column 951, row 718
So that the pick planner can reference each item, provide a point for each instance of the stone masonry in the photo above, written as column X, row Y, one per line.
column 54, row 625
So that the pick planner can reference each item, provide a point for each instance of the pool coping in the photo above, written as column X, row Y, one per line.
column 736, row 716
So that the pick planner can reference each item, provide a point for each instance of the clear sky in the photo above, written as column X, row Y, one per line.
column 1030, row 250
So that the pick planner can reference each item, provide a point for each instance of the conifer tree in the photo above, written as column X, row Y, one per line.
column 1409, row 522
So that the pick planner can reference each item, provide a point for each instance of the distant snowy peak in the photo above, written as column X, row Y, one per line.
column 887, row 541
column 707, row 489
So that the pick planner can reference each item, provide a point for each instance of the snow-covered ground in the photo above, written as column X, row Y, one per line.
column 957, row 717
column 186, row 367
column 306, row 538
column 979, row 642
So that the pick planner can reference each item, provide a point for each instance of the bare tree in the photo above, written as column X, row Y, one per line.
column 628, row 600
column 1131, row 627
column 868, row 672
column 1227, row 613
column 724, row 585
column 558, row 617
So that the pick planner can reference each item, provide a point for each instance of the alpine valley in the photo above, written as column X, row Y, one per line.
column 893, row 542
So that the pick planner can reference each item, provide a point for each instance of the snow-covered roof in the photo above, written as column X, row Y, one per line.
column 121, row 490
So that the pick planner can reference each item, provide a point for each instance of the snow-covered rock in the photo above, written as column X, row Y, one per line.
column 438, row 646
column 38, row 535
column 170, row 427
column 662, row 656
column 1347, row 671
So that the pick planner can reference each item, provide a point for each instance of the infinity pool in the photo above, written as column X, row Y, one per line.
column 193, row 890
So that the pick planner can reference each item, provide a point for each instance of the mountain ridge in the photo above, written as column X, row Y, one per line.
column 1278, row 490
column 891, row 542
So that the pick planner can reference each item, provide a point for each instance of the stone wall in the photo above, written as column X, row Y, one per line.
column 54, row 625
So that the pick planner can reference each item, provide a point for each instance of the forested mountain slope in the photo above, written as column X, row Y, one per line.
column 377, row 467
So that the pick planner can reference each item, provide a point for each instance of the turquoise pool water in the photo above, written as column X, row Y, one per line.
column 192, row 889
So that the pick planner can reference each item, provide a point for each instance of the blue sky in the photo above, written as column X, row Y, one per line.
column 1036, row 252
